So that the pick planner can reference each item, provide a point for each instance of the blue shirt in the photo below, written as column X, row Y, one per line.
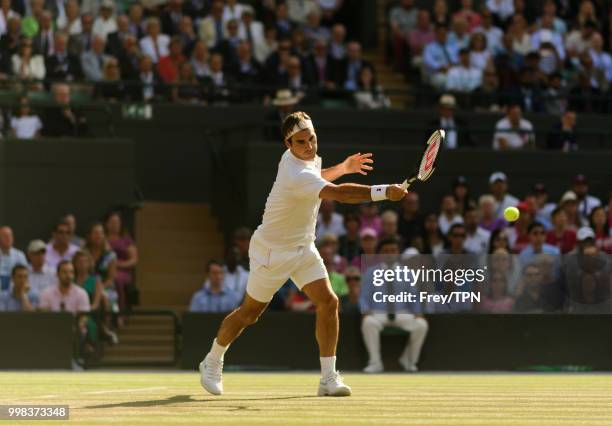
column 370, row 299
column 205, row 300
column 527, row 255
column 8, row 303
column 7, row 262
column 436, row 55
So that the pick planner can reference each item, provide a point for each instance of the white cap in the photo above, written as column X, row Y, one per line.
column 568, row 196
column 498, row 176
column 409, row 252
column 584, row 233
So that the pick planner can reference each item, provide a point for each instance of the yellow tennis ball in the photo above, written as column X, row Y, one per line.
column 511, row 214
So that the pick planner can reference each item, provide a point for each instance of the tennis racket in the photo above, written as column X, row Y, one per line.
column 427, row 165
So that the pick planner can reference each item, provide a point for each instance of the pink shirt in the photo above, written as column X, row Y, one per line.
column 76, row 300
column 53, row 257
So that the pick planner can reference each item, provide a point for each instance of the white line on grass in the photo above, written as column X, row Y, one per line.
column 153, row 388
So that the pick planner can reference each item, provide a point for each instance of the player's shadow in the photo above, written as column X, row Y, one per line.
column 182, row 399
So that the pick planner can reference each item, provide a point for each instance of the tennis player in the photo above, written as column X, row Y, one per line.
column 283, row 247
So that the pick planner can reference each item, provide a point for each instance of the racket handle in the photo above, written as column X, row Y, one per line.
column 405, row 185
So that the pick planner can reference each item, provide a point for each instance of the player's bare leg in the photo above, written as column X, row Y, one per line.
column 211, row 368
column 321, row 294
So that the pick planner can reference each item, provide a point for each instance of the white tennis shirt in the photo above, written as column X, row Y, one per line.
column 290, row 215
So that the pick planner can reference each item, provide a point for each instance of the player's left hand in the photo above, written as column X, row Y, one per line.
column 358, row 163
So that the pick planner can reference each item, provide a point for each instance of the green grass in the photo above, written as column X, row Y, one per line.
column 161, row 398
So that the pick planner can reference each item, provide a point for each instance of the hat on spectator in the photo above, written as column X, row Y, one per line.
column 36, row 245
column 448, row 101
column 524, row 206
column 284, row 97
column 108, row 4
column 584, row 233
column 368, row 232
column 409, row 252
column 580, row 179
column 568, row 196
column 497, row 176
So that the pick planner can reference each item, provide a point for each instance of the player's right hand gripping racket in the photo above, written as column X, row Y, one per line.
column 428, row 163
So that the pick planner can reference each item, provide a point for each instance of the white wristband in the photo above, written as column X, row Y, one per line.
column 379, row 192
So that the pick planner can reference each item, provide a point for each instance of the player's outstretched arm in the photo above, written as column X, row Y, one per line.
column 356, row 163
column 353, row 193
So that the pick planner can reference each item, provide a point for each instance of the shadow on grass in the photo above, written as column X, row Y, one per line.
column 182, row 399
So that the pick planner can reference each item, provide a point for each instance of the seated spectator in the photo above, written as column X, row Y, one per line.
column 61, row 65
column 298, row 10
column 402, row 20
column 19, row 298
column 440, row 14
column 116, row 39
column 569, row 204
column 496, row 298
column 501, row 261
column 602, row 60
column 320, row 65
column 537, row 244
column 463, row 77
column 601, row 228
column 26, row 65
column 480, row 55
column 477, row 238
column 168, row 66
column 368, row 239
column 199, row 60
column 251, row 30
column 148, row 88
column 267, row 46
column 498, row 185
column 561, row 236
column 328, row 221
column 155, row 44
column 448, row 214
column 499, row 240
column 42, row 41
column 586, row 97
column 348, row 243
column 9, row 43
column 466, row 12
column 327, row 249
column 336, row 262
column 529, row 299
column 543, row 208
column 370, row 218
column 518, row 234
column 187, row 88
column 60, row 248
column 459, row 34
column 419, row 37
column 217, row 82
column 369, row 95
column 530, row 96
column 492, row 32
column 586, row 202
column 171, row 17
column 389, row 220
column 65, row 296
column 438, row 57
column 138, row 26
column 105, row 23
column 212, row 29
column 126, row 250
column 489, row 220
column 378, row 315
column 337, row 47
column 187, row 35
column 245, row 68
column 433, row 239
column 456, row 128
column 579, row 40
column 513, row 131
column 314, row 31
column 111, row 88
column 349, row 303
column 104, row 261
column 214, row 297
column 26, row 125
column 41, row 275
column 235, row 276
column 227, row 47
column 80, row 42
column 9, row 257
column 63, row 120
column 410, row 220
column 242, row 240
column 128, row 58
column 555, row 95
column 348, row 69
column 93, row 60
column 546, row 34
column 518, row 30
column 563, row 135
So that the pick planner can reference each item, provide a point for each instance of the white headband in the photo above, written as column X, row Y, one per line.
column 299, row 126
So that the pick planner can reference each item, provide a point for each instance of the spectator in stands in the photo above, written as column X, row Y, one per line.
column 349, row 303
column 329, row 222
column 489, row 219
column 70, row 220
column 388, row 221
column 459, row 34
column 105, row 23
column 369, row 95
column 327, row 249
column 26, row 65
column 440, row 13
column 337, row 47
column 116, row 39
column 30, row 24
column 282, row 23
column 242, row 239
column 438, row 57
column 543, row 207
column 463, row 77
column 546, row 34
column 492, row 32
column 586, row 97
column 456, row 130
column 111, row 88
column 402, row 20
column 214, row 297
column 499, row 240
column 104, row 260
column 187, row 35
column 171, row 17
column 63, row 120
column 25, row 125
column 601, row 228
column 561, row 236
column 501, row 261
column 70, row 22
column 227, row 47
column 348, row 243
column 529, row 299
column 81, row 41
column 518, row 234
column 138, row 26
column 41, row 275
column 369, row 217
column 336, row 262
column 319, row 64
column 586, row 202
column 496, row 299
column 124, row 246
column 298, row 10
column 602, row 60
column 43, row 40
column 563, row 135
column 521, row 40
column 148, row 88
column 569, row 203
column 199, row 60
column 6, row 13
column 529, row 94
column 93, row 60
column 314, row 31
column 187, row 88
column 267, row 46
column 513, row 131
column 235, row 276
column 410, row 220
column 61, row 65
column 579, row 40
column 555, row 95
column 537, row 244
column 65, row 296
column 498, row 184
column 9, row 44
column 168, row 66
column 480, row 55
column 348, row 69
column 60, row 248
column 212, row 28
column 477, row 238
column 378, row 315
column 251, row 30
column 128, row 58
column 448, row 214
column 19, row 298
column 155, row 44
column 217, row 82
column 9, row 257
column 433, row 239
column 419, row 37
column 368, row 239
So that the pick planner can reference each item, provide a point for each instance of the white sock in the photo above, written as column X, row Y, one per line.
column 217, row 351
column 328, row 365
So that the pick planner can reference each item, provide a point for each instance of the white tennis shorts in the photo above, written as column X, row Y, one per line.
column 270, row 269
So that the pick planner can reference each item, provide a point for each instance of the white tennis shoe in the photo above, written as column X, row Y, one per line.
column 333, row 385
column 210, row 375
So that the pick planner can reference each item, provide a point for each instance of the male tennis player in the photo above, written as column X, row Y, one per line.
column 283, row 247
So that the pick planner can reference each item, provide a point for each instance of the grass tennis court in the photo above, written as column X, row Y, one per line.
column 160, row 398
